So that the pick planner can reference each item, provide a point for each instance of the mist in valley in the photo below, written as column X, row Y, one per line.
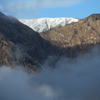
column 68, row 79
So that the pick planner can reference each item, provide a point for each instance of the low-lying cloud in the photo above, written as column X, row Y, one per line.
column 21, row 8
column 71, row 79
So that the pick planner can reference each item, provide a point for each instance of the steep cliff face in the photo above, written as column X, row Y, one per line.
column 84, row 32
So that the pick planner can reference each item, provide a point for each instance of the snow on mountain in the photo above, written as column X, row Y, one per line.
column 44, row 24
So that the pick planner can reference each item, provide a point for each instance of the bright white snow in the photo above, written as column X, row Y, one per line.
column 44, row 24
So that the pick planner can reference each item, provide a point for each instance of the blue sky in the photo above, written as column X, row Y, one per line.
column 30, row 9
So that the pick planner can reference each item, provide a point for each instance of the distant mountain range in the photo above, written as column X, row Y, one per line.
column 21, row 45
column 44, row 24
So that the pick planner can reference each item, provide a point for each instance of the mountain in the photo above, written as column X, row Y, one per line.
column 20, row 45
column 44, row 24
column 76, row 36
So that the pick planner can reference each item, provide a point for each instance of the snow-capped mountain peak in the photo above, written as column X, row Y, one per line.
column 44, row 24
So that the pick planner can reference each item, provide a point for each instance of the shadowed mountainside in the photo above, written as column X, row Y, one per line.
column 20, row 45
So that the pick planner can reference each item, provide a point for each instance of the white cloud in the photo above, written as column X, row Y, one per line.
column 39, row 3
column 24, row 6
column 59, row 3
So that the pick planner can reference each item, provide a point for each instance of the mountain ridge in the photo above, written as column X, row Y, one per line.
column 44, row 24
column 70, row 33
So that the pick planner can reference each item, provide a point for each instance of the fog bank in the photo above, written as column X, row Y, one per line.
column 71, row 79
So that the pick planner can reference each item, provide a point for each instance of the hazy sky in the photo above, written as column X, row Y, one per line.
column 49, row 8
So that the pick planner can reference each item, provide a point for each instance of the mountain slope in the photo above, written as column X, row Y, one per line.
column 86, row 31
column 76, row 38
column 44, row 24
column 20, row 45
